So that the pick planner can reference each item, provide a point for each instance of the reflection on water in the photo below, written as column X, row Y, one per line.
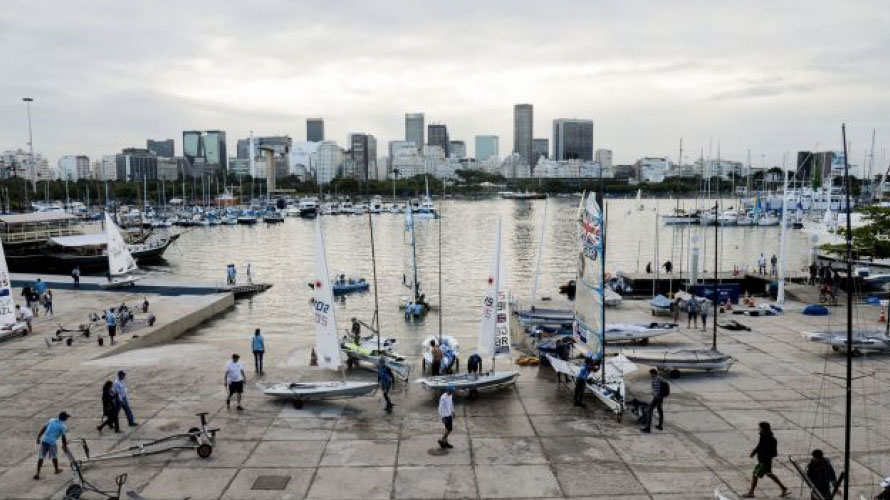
column 282, row 254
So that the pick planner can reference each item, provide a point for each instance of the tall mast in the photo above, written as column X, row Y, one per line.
column 538, row 258
column 780, row 294
column 376, row 321
column 716, row 232
column 440, row 281
column 849, row 381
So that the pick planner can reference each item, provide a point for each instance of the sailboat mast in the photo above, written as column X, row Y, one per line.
column 603, row 285
column 849, row 381
column 716, row 232
column 374, row 275
column 413, row 256
column 780, row 294
column 538, row 259
column 440, row 280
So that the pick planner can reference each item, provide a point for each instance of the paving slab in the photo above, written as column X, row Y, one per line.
column 241, row 487
column 444, row 481
column 359, row 452
column 188, row 482
column 422, row 449
column 286, row 454
column 347, row 483
column 516, row 481
column 507, row 451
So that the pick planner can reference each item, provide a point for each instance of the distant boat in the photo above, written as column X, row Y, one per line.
column 121, row 265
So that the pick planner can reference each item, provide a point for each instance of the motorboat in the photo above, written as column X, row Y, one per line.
column 394, row 208
column 292, row 211
column 768, row 219
column 683, row 359
column 360, row 208
column 332, row 208
column 347, row 208
column 681, row 218
column 344, row 286
column 376, row 205
column 745, row 220
column 728, row 218
column 273, row 217
column 248, row 218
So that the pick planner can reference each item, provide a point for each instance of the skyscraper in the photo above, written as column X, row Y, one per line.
column 572, row 139
column 414, row 129
column 314, row 129
column 523, row 123
column 207, row 146
column 542, row 148
column 363, row 152
column 438, row 136
column 163, row 148
column 457, row 150
column 486, row 147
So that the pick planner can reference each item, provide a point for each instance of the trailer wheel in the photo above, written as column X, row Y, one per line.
column 193, row 433
column 856, row 353
column 675, row 373
column 644, row 341
column 74, row 491
column 205, row 450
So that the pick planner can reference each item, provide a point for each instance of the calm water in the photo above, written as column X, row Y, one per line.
column 282, row 254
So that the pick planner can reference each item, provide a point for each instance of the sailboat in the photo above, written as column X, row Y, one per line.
column 427, row 209
column 689, row 359
column 494, row 335
column 415, row 304
column 121, row 265
column 607, row 382
column 327, row 345
column 9, row 326
column 448, row 345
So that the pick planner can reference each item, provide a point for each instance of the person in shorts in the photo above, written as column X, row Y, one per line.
column 47, row 438
column 766, row 451
column 234, row 381
column 446, row 413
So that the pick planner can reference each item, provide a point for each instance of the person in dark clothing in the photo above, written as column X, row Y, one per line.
column 648, row 268
column 821, row 474
column 813, row 271
column 356, row 332
column 668, row 267
column 75, row 275
column 474, row 363
column 766, row 451
column 656, row 404
column 563, row 352
column 885, row 493
column 110, row 409
column 692, row 313
column 385, row 377
column 436, row 353
column 581, row 383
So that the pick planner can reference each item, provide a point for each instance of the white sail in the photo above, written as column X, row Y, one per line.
column 327, row 345
column 409, row 278
column 120, row 261
column 589, row 307
column 7, row 303
column 494, row 334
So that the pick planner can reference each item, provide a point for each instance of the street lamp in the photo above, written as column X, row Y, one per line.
column 28, row 101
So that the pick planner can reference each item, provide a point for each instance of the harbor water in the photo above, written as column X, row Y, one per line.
column 282, row 254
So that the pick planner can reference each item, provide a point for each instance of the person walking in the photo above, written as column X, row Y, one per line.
column 668, row 267
column 436, row 365
column 446, row 413
column 123, row 399
column 704, row 315
column 26, row 294
column 822, row 476
column 40, row 288
column 660, row 390
column 111, row 324
column 75, row 275
column 691, row 313
column 813, row 271
column 234, row 381
column 25, row 314
column 766, row 451
column 110, row 410
column 581, row 383
column 773, row 263
column 259, row 348
column 761, row 264
column 48, row 303
column 385, row 378
column 54, row 429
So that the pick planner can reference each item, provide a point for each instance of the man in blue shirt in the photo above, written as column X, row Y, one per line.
column 581, row 383
column 259, row 348
column 111, row 323
column 54, row 429
column 385, row 377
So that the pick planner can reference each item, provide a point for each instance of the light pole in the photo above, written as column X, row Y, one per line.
column 28, row 101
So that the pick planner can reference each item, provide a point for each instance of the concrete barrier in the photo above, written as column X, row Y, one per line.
column 166, row 332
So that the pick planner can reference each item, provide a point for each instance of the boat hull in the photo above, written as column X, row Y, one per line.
column 310, row 391
column 470, row 381
column 692, row 359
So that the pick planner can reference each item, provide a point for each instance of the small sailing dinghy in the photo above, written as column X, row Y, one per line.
column 494, row 335
column 327, row 345
column 121, row 265
column 9, row 326
column 589, row 328
column 863, row 340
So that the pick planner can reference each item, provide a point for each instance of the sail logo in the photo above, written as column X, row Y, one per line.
column 591, row 235
column 321, row 312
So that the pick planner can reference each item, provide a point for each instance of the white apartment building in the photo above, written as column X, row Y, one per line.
column 721, row 168
column 516, row 167
column 330, row 162
column 652, row 169
column 74, row 167
column 604, row 158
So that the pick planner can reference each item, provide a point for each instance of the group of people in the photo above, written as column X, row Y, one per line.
column 232, row 274
column 668, row 267
column 38, row 295
column 773, row 261
column 694, row 309
column 827, row 279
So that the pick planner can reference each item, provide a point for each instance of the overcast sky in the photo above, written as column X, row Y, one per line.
column 768, row 76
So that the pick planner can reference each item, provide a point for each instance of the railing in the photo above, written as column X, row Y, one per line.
column 32, row 236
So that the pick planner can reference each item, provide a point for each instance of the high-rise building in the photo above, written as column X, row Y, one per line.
column 135, row 164
column 572, row 139
column 437, row 135
column 604, row 158
column 414, row 129
column 207, row 146
column 363, row 152
column 523, row 124
column 542, row 149
column 314, row 129
column 457, row 149
column 486, row 147
column 330, row 161
column 163, row 148
column 74, row 167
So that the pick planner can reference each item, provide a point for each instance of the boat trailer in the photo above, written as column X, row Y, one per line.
column 201, row 439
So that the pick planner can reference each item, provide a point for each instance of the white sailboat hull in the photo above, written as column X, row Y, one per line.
column 309, row 391
column 120, row 282
column 685, row 359
column 862, row 341
column 470, row 381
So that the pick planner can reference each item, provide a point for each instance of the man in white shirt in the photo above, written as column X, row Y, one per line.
column 234, row 380
column 446, row 413
column 24, row 314
column 123, row 400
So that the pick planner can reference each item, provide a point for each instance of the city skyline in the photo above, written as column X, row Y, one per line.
column 761, row 83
